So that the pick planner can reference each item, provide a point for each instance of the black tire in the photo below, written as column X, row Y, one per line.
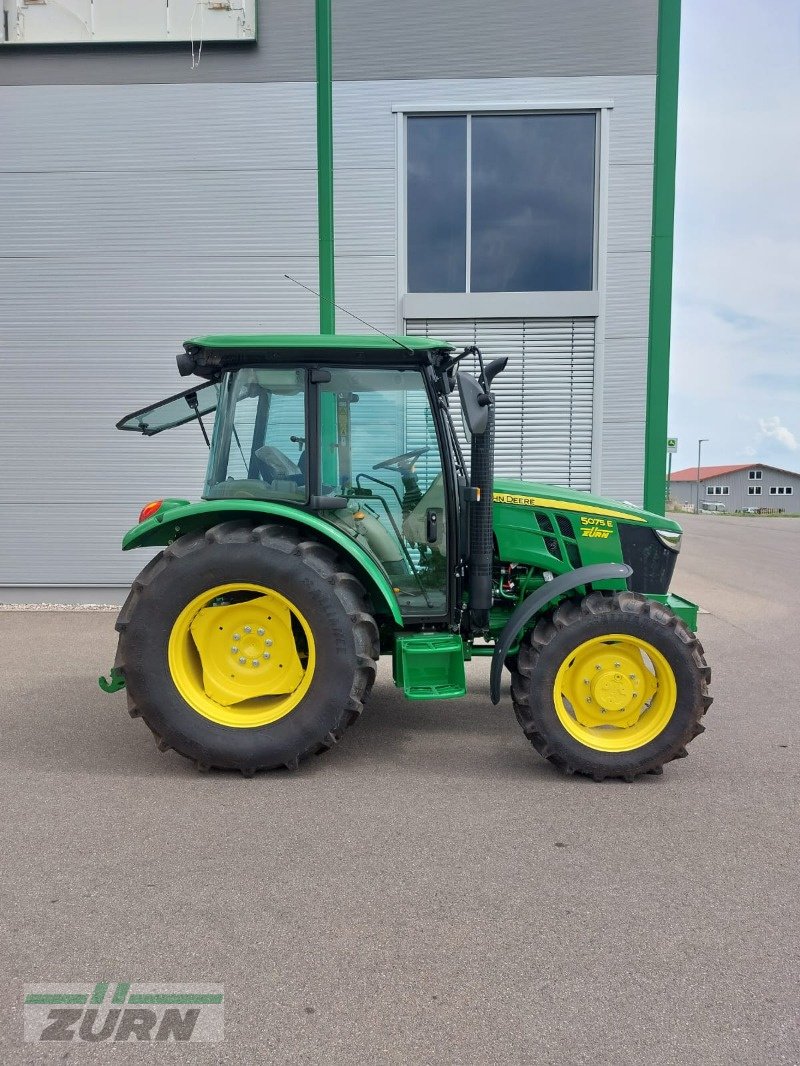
column 280, row 557
column 551, row 641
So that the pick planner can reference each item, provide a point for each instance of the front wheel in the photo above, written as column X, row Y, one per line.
column 611, row 686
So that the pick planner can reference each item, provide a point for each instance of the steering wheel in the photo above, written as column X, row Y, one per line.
column 398, row 460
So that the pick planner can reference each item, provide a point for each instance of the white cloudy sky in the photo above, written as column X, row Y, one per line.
column 736, row 311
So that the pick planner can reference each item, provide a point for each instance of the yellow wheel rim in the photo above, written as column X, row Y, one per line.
column 615, row 693
column 241, row 655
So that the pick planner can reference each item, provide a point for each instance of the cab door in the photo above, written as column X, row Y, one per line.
column 379, row 450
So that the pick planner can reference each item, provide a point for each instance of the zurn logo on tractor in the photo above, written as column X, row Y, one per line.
column 121, row 1012
column 341, row 520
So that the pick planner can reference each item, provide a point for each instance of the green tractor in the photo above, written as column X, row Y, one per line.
column 340, row 521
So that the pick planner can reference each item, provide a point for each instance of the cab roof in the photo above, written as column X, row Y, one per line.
column 207, row 356
column 295, row 344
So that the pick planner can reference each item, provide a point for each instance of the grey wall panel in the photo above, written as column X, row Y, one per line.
column 158, row 302
column 376, row 41
column 367, row 285
column 284, row 52
column 622, row 459
column 624, row 397
column 365, row 211
column 513, row 38
column 624, row 377
column 66, row 541
column 628, row 294
column 190, row 213
column 630, row 207
column 157, row 127
column 141, row 215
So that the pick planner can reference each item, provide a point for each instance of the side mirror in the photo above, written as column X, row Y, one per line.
column 473, row 403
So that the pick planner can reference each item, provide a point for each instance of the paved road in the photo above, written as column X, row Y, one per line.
column 431, row 891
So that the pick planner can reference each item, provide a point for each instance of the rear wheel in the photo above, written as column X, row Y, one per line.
column 247, row 648
column 611, row 686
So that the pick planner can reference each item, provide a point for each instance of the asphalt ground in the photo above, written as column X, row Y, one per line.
column 431, row 891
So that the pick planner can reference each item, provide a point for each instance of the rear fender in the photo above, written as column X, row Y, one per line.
column 177, row 517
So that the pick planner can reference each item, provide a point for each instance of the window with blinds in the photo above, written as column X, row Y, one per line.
column 544, row 396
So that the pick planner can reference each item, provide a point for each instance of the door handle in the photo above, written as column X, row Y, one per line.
column 432, row 525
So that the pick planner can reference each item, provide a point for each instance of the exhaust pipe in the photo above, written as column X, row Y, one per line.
column 481, row 538
column 478, row 404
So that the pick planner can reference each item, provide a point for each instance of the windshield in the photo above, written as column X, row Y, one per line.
column 259, row 446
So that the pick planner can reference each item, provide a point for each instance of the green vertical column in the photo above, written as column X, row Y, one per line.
column 327, row 291
column 666, row 136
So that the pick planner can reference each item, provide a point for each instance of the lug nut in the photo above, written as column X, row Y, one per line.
column 266, row 654
column 247, row 629
column 616, row 665
column 236, row 636
column 260, row 631
column 588, row 699
column 268, row 642
column 242, row 660
column 256, row 662
column 234, row 651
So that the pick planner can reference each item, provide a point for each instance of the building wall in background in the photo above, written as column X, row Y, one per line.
column 145, row 203
column 739, row 485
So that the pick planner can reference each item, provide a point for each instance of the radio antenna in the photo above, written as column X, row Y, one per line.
column 339, row 307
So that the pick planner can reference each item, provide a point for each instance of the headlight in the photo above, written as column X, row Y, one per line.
column 669, row 539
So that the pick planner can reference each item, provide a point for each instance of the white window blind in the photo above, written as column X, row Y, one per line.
column 544, row 396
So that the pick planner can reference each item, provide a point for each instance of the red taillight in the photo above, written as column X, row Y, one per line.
column 149, row 510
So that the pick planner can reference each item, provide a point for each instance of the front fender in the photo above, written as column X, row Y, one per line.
column 179, row 517
column 537, row 601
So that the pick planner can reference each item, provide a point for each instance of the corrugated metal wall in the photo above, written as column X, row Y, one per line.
column 135, row 215
column 470, row 39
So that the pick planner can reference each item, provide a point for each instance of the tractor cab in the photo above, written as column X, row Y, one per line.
column 357, row 431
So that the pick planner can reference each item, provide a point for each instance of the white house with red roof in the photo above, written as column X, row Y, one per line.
column 742, row 487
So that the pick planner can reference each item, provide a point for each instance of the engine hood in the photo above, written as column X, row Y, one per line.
column 573, row 501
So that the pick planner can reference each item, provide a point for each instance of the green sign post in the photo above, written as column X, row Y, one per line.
column 327, row 290
column 672, row 447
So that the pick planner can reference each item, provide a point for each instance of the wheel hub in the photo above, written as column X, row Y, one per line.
column 608, row 685
column 612, row 690
column 247, row 650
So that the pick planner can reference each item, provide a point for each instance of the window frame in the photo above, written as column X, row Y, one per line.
column 718, row 490
column 223, row 439
column 781, row 490
column 754, row 474
column 754, row 490
column 568, row 304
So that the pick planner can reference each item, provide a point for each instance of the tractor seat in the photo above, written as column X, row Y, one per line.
column 415, row 524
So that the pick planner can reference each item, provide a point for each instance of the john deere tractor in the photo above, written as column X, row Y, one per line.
column 341, row 521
